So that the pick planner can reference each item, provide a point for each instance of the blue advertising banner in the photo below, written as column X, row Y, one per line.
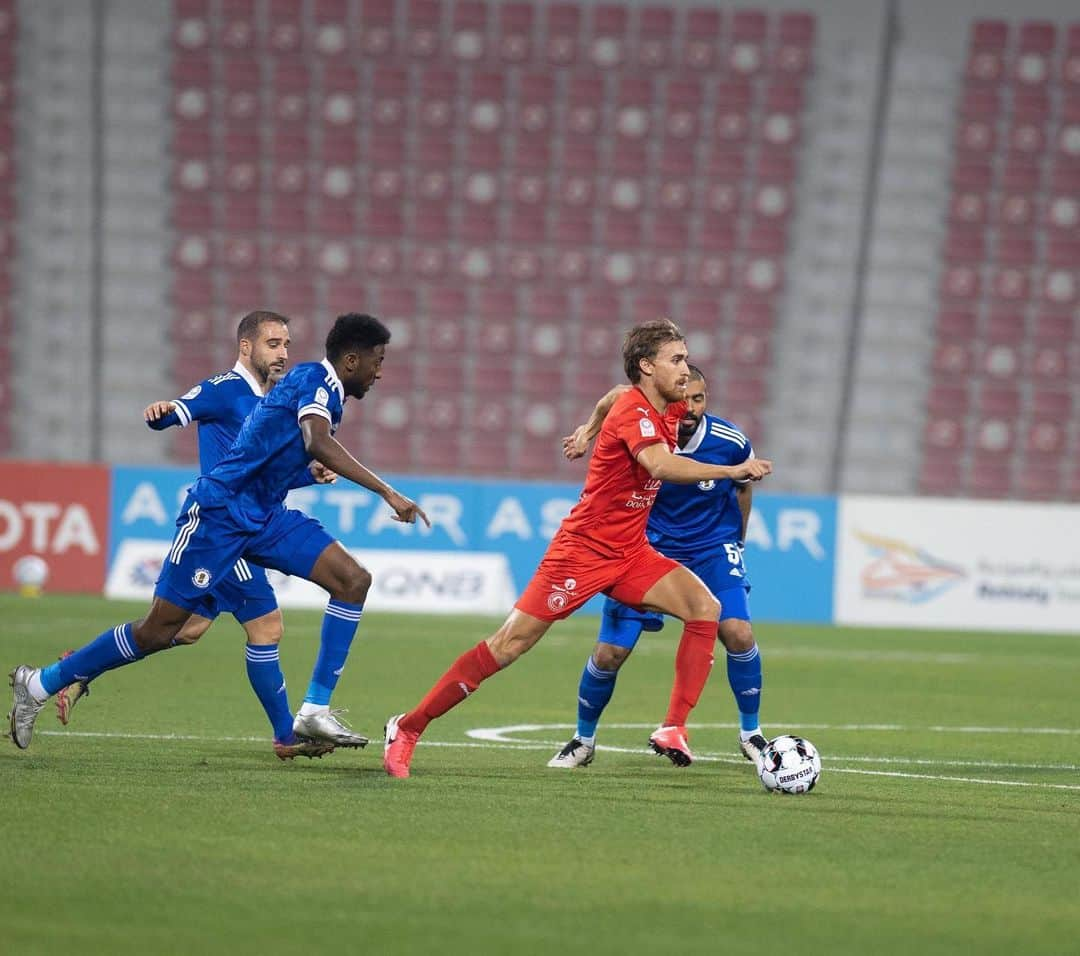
column 789, row 553
column 791, row 558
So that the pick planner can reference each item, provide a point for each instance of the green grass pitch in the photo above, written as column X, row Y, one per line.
column 947, row 818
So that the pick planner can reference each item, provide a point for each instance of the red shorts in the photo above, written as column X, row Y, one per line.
column 571, row 573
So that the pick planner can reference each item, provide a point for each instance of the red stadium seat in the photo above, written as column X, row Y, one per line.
column 999, row 401
column 443, row 373
column 193, row 291
column 952, row 358
column 702, row 45
column 655, row 32
column 980, row 103
column 948, row 399
column 468, row 39
column 284, row 30
column 346, row 295
column 960, row 283
column 793, row 52
column 423, row 29
column 1005, row 325
column 1045, row 436
column 563, row 33
column 527, row 224
column 331, row 31
column 965, row 244
column 984, row 66
column 943, row 433
column 1041, row 483
column 584, row 106
column 608, row 37
column 940, row 475
column 492, row 380
column 988, row 479
column 377, row 27
column 1053, row 328
column 440, row 454
column 514, row 36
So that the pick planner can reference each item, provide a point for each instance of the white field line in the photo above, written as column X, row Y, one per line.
column 499, row 734
column 495, row 738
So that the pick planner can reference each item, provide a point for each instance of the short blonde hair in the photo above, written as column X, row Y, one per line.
column 645, row 341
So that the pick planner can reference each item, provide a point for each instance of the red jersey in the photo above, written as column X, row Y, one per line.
column 619, row 493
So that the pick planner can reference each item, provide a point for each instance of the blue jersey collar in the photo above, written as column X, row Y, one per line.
column 332, row 378
column 249, row 378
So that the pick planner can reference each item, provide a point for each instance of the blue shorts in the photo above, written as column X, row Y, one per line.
column 244, row 592
column 211, row 539
column 622, row 625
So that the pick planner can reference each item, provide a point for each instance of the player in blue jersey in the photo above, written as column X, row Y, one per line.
column 701, row 526
column 219, row 405
column 237, row 511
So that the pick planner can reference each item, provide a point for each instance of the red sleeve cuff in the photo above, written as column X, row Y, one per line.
column 645, row 443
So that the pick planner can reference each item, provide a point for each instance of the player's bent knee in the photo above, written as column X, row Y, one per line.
column 195, row 628
column 737, row 636
column 354, row 584
column 704, row 607
column 150, row 638
column 610, row 657
column 266, row 630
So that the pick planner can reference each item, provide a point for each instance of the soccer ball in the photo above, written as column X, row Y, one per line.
column 789, row 765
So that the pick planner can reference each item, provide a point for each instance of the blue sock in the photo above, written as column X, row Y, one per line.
column 338, row 628
column 264, row 672
column 744, row 676
column 114, row 648
column 594, row 692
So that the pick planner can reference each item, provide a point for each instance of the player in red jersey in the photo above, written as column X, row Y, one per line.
column 601, row 547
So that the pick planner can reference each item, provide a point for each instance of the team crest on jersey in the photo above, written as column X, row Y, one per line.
column 201, row 578
column 556, row 601
column 322, row 396
column 194, row 393
column 560, row 594
column 647, row 428
column 706, row 485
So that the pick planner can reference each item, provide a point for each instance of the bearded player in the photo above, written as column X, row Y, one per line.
column 703, row 526
column 601, row 547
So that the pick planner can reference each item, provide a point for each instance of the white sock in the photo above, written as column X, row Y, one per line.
column 588, row 741
column 36, row 688
column 747, row 734
column 307, row 710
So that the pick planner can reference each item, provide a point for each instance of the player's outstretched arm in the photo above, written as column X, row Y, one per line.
column 161, row 415
column 576, row 444
column 326, row 449
column 661, row 463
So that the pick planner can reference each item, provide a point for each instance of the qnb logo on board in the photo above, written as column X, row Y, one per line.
column 403, row 581
column 899, row 571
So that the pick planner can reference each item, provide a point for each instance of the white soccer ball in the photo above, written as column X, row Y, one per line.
column 30, row 571
column 789, row 765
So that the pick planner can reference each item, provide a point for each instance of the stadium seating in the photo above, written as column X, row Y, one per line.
column 1005, row 336
column 566, row 168
column 7, row 211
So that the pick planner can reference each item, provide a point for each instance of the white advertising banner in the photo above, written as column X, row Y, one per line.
column 438, row 582
column 932, row 562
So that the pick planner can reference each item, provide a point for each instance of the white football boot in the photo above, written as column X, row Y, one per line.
column 752, row 747
column 575, row 754
column 328, row 725
column 24, row 706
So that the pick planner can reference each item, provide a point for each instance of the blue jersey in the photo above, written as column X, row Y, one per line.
column 268, row 457
column 694, row 522
column 219, row 404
